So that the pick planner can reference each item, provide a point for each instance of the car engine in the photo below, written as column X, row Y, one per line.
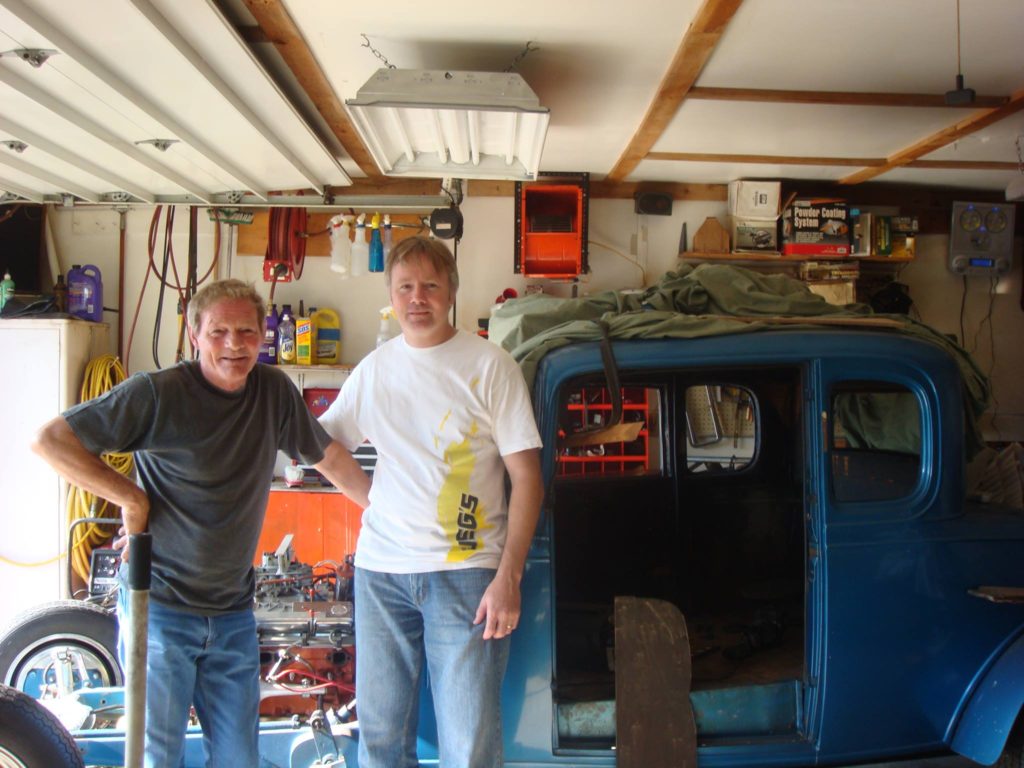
column 304, row 618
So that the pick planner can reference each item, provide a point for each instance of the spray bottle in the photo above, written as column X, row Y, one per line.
column 341, row 244
column 384, row 334
column 376, row 245
column 386, row 236
column 360, row 248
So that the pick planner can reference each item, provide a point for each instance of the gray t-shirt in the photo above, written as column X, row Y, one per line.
column 206, row 459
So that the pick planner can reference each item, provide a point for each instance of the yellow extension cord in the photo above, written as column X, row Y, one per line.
column 101, row 375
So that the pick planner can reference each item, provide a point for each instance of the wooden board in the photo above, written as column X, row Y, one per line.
column 252, row 238
column 711, row 236
column 654, row 724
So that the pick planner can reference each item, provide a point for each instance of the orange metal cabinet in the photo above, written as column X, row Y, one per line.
column 325, row 524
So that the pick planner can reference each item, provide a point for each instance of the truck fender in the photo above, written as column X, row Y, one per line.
column 988, row 717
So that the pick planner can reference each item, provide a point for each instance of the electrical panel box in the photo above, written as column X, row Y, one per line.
column 551, row 226
column 981, row 238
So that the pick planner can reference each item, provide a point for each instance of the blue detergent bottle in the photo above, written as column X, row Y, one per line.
column 376, row 245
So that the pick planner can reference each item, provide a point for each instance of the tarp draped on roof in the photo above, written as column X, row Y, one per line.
column 707, row 300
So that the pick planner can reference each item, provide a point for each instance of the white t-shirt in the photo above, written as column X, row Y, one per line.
column 440, row 418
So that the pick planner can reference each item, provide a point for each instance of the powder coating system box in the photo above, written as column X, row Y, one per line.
column 816, row 227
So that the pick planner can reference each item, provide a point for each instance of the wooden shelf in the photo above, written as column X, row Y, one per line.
column 788, row 258
column 339, row 368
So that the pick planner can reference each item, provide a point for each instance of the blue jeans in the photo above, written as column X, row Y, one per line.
column 212, row 663
column 402, row 619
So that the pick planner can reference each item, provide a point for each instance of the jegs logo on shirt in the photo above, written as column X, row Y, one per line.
column 461, row 513
column 465, row 535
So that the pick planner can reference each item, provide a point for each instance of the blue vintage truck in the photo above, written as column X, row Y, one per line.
column 786, row 499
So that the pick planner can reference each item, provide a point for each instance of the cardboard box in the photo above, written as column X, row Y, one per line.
column 753, row 234
column 754, row 199
column 754, row 215
column 816, row 227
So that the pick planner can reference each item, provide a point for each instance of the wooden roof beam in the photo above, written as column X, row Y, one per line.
column 693, row 53
column 859, row 162
column 280, row 29
column 839, row 98
column 974, row 122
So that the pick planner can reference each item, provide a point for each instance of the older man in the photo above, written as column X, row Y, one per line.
column 205, row 436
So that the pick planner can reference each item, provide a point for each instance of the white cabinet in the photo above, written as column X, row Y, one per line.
column 42, row 362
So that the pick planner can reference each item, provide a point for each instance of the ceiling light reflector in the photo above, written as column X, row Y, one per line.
column 429, row 123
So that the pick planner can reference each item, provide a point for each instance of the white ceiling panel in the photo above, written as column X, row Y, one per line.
column 178, row 69
column 127, row 71
column 596, row 65
column 797, row 129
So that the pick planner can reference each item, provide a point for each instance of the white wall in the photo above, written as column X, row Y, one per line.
column 485, row 257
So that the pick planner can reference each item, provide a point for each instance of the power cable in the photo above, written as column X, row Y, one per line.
column 101, row 374
column 963, row 305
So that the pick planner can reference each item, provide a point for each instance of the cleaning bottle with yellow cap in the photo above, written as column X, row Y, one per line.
column 376, row 245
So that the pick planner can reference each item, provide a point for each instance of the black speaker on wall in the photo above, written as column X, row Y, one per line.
column 654, row 203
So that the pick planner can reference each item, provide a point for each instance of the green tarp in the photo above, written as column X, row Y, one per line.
column 707, row 300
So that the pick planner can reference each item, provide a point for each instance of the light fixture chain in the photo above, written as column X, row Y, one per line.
column 521, row 55
column 1020, row 152
column 375, row 52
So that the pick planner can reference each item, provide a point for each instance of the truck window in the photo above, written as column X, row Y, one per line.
column 875, row 441
column 721, row 428
column 591, row 445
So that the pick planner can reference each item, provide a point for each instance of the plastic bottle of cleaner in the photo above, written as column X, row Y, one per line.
column 341, row 244
column 360, row 248
column 376, row 245
column 328, row 336
column 286, row 337
column 85, row 292
column 384, row 333
column 60, row 294
column 268, row 349
column 6, row 289
column 303, row 339
column 386, row 236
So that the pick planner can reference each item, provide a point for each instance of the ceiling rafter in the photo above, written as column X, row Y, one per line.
column 66, row 111
column 839, row 98
column 139, row 99
column 33, row 170
column 974, row 122
column 859, row 162
column 16, row 189
column 193, row 57
column 277, row 26
column 35, row 141
column 694, row 50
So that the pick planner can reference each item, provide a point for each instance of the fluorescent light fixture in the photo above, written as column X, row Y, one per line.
column 430, row 123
